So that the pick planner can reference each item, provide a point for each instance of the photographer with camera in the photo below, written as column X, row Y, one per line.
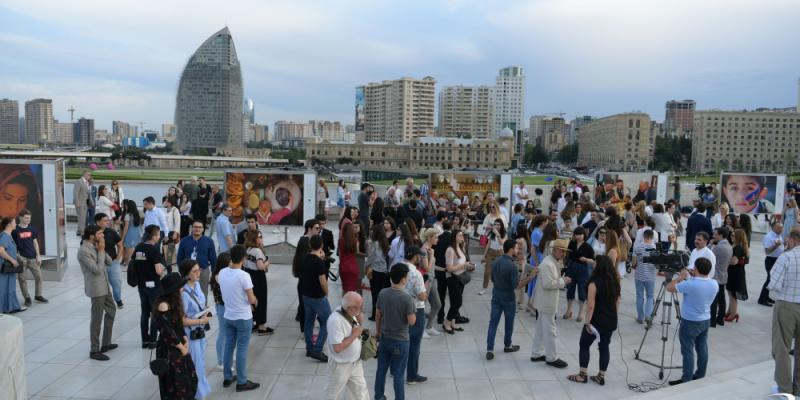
column 698, row 293
column 344, row 346
column 194, row 302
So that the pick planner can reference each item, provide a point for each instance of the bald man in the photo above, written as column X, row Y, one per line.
column 344, row 348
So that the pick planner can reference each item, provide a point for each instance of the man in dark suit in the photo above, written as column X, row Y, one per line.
column 364, row 202
column 445, row 240
column 697, row 223
column 328, row 244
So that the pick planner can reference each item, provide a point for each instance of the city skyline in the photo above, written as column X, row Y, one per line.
column 302, row 61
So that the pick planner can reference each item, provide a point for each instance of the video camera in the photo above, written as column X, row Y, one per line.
column 668, row 261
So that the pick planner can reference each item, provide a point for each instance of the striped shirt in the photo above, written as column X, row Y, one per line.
column 644, row 271
column 784, row 283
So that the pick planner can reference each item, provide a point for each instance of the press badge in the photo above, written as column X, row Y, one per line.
column 194, row 254
column 150, row 284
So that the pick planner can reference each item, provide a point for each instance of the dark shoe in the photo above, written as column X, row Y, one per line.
column 489, row 355
column 712, row 325
column 538, row 359
column 321, row 357
column 721, row 322
column 19, row 310
column 28, row 302
column 120, row 305
column 511, row 349
column 98, row 356
column 109, row 347
column 228, row 382
column 372, row 318
column 149, row 345
column 558, row 363
column 40, row 299
column 267, row 331
column 247, row 386
column 418, row 379
column 765, row 303
column 676, row 382
column 462, row 320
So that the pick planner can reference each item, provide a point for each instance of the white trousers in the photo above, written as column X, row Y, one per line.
column 350, row 375
column 544, row 337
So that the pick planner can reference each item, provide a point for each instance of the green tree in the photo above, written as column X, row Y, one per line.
column 568, row 154
column 535, row 154
column 672, row 153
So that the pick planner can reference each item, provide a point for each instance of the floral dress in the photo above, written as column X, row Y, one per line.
column 180, row 380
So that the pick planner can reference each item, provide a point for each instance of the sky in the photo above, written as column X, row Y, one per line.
column 301, row 60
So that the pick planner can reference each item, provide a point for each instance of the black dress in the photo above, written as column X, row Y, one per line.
column 180, row 380
column 604, row 317
column 737, row 282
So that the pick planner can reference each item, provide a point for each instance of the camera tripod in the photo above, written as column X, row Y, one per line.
column 666, row 304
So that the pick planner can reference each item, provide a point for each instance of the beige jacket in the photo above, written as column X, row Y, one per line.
column 94, row 266
column 545, row 296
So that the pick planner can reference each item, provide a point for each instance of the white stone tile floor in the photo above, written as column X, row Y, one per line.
column 57, row 347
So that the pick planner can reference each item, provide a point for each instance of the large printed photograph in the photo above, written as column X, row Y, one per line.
column 275, row 199
column 749, row 193
column 464, row 189
column 612, row 188
column 21, row 188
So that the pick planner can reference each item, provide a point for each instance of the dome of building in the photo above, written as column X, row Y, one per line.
column 506, row 133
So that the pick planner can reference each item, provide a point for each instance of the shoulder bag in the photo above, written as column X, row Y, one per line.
column 369, row 345
column 9, row 268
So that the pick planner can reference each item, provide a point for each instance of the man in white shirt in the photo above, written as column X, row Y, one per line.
column 701, row 250
column 344, row 346
column 154, row 215
column 773, row 247
column 784, row 287
column 520, row 194
column 416, row 288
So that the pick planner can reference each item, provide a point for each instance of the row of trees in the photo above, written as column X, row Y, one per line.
column 535, row 154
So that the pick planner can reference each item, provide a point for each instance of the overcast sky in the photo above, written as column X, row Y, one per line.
column 121, row 60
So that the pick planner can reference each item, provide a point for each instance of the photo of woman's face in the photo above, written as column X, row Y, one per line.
column 13, row 198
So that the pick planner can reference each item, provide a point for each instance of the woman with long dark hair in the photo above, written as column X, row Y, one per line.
column 492, row 251
column 747, row 225
column 457, row 265
column 185, row 209
column 389, row 228
column 601, row 318
column 194, row 302
column 348, row 266
column 256, row 265
column 180, row 379
column 376, row 214
column 397, row 249
column 581, row 258
column 104, row 203
column 737, row 282
column 132, row 228
column 377, row 268
column 19, row 190
column 9, row 303
column 349, row 215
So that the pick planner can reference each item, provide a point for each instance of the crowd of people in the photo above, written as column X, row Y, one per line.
column 414, row 255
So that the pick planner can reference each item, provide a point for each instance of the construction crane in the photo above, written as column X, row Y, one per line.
column 71, row 110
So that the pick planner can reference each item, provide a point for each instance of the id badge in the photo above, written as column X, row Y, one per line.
column 194, row 254
column 150, row 284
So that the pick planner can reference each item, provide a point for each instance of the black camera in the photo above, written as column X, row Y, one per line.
column 669, row 261
column 197, row 333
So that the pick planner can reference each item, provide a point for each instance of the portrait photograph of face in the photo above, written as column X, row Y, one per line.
column 749, row 194
column 21, row 188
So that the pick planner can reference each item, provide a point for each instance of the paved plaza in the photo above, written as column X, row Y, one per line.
column 58, row 365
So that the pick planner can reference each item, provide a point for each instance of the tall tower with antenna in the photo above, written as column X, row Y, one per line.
column 71, row 110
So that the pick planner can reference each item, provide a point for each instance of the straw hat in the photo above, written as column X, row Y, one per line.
column 562, row 244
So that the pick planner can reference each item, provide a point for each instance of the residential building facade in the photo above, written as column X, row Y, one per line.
column 399, row 110
column 287, row 130
column 64, row 132
column 9, row 121
column 679, row 118
column 38, row 121
column 618, row 142
column 509, row 105
column 83, row 132
column 757, row 141
column 467, row 111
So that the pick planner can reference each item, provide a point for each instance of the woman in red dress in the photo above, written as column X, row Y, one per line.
column 348, row 267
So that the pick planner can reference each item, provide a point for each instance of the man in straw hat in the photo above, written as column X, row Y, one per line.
column 545, row 300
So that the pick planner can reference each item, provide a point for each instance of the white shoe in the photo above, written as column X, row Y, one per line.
column 482, row 292
column 432, row 332
column 220, row 367
column 425, row 335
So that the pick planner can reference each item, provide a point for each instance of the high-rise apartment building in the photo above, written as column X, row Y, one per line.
column 261, row 133
column 757, row 141
column 64, row 133
column 575, row 127
column 287, row 130
column 167, row 130
column 509, row 105
column 9, row 121
column 467, row 111
column 618, row 142
column 679, row 117
column 330, row 130
column 542, row 125
column 83, row 132
column 124, row 130
column 397, row 110
column 209, row 104
column 38, row 121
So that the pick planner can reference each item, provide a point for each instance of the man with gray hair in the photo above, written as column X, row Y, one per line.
column 344, row 347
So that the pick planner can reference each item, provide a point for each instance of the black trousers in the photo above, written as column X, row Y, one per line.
column 147, row 296
column 379, row 281
column 301, row 309
column 259, row 279
column 768, row 263
column 441, row 287
column 456, row 297
column 718, row 306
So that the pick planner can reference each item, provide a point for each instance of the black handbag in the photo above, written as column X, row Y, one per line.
column 9, row 268
column 159, row 366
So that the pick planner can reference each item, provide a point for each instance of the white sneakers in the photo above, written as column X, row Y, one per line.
column 482, row 292
column 432, row 332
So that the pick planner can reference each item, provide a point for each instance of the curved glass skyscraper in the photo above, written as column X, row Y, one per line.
column 208, row 108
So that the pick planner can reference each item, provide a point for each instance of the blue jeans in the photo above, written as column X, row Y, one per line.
column 509, row 308
column 644, row 304
column 694, row 337
column 316, row 308
column 237, row 335
column 115, row 280
column 221, row 333
column 415, row 342
column 392, row 354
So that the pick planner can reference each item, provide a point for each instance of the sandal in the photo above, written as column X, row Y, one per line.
column 579, row 378
column 458, row 329
column 567, row 315
column 599, row 379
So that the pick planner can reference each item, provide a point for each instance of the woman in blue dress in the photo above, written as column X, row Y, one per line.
column 9, row 303
column 131, row 228
column 193, row 303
